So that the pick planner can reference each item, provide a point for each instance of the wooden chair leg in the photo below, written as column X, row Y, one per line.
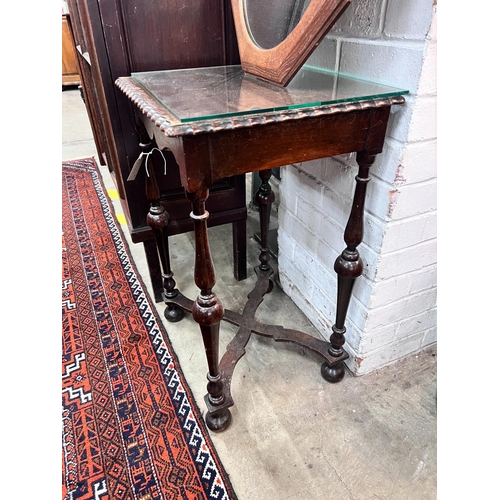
column 240, row 249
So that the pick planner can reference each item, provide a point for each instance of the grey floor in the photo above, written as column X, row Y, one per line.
column 293, row 435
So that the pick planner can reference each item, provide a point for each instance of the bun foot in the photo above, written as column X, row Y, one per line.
column 219, row 421
column 333, row 373
column 173, row 313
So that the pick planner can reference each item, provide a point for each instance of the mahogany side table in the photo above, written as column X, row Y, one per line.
column 219, row 122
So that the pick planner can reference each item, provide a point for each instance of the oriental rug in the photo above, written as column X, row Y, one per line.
column 130, row 426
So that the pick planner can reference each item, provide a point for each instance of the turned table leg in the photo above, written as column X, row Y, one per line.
column 208, row 312
column 264, row 199
column 158, row 219
column 348, row 267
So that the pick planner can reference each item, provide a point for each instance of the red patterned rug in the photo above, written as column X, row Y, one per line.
column 131, row 428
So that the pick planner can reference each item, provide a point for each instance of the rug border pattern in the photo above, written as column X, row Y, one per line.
column 200, row 447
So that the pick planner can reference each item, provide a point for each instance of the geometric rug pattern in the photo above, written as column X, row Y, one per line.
column 130, row 426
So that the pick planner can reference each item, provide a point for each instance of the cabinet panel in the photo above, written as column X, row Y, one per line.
column 118, row 37
column 70, row 75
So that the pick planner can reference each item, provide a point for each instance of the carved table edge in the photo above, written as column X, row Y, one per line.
column 172, row 127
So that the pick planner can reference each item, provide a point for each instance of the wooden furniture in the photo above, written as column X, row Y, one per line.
column 70, row 75
column 116, row 37
column 236, row 124
column 275, row 37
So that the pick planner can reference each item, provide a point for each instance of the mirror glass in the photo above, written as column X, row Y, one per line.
column 269, row 22
column 275, row 37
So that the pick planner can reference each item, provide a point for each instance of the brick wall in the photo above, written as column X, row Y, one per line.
column 393, row 310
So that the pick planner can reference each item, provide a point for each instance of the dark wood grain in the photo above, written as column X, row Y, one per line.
column 118, row 37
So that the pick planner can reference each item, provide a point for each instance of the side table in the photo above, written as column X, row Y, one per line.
column 219, row 122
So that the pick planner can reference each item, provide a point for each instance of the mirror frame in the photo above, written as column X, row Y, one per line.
column 280, row 64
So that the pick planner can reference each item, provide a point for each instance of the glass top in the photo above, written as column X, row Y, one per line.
column 225, row 91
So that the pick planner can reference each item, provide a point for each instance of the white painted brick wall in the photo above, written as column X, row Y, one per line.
column 393, row 309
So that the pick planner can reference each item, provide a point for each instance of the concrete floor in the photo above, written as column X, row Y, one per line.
column 294, row 436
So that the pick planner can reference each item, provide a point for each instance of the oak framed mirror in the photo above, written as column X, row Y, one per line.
column 275, row 37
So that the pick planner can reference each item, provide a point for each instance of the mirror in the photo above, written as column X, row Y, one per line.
column 281, row 18
column 275, row 37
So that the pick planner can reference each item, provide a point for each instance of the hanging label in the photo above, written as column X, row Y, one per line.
column 138, row 163
column 136, row 167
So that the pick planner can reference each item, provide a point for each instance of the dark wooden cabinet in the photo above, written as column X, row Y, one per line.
column 115, row 38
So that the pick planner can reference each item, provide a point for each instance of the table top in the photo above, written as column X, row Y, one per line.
column 190, row 101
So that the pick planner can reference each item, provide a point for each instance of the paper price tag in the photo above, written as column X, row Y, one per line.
column 138, row 163
column 135, row 168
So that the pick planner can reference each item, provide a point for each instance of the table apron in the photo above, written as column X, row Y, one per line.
column 207, row 157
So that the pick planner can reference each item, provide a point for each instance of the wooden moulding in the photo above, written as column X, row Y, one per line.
column 280, row 64
column 171, row 127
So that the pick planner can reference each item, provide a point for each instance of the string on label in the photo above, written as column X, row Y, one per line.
column 139, row 161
